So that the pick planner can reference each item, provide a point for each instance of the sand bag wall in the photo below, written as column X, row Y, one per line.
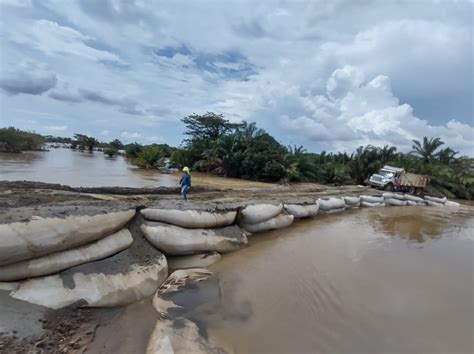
column 264, row 217
column 300, row 211
column 278, row 222
column 352, row 202
column 27, row 240
column 175, row 240
column 331, row 205
column 190, row 218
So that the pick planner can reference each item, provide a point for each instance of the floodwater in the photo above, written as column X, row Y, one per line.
column 393, row 279
column 81, row 168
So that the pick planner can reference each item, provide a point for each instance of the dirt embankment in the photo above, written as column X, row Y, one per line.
column 72, row 330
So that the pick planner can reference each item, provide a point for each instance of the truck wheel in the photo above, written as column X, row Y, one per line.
column 389, row 187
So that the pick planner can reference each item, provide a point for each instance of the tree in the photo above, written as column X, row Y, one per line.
column 15, row 140
column 116, row 144
column 132, row 150
column 207, row 127
column 426, row 150
column 84, row 141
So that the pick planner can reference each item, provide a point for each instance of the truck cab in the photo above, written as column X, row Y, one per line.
column 386, row 177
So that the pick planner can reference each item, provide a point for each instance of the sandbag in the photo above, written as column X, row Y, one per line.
column 175, row 240
column 192, row 219
column 331, row 203
column 36, row 238
column 395, row 202
column 388, row 195
column 200, row 260
column 100, row 288
column 372, row 205
column 333, row 211
column 435, row 204
column 371, row 199
column 414, row 198
column 352, row 200
column 302, row 211
column 278, row 222
column 56, row 262
column 452, row 204
column 254, row 214
column 436, row 200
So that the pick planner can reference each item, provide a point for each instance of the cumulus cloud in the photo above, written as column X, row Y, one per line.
column 367, row 112
column 28, row 78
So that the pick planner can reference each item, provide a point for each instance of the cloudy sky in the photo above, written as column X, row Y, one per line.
column 324, row 74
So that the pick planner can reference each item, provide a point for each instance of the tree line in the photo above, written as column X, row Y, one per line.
column 216, row 146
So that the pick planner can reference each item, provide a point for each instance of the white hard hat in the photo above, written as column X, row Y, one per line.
column 186, row 169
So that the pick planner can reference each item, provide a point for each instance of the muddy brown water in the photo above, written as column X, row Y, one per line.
column 374, row 280
column 85, row 169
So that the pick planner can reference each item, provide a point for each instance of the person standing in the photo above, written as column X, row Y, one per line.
column 185, row 183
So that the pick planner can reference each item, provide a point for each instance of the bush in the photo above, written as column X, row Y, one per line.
column 111, row 152
column 148, row 157
column 15, row 140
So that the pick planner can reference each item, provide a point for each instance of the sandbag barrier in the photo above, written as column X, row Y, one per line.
column 40, row 254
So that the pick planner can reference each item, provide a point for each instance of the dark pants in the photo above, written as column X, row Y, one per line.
column 184, row 192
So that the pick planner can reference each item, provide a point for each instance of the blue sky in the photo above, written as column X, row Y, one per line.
column 328, row 75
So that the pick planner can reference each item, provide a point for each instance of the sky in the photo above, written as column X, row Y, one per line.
column 328, row 75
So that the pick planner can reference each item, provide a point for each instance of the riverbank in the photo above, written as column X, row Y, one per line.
column 24, row 201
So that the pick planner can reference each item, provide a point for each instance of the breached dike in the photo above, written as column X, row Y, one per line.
column 26, row 240
column 371, row 199
column 98, row 289
column 192, row 219
column 279, row 222
column 436, row 200
column 302, row 211
column 396, row 202
column 175, row 240
column 56, row 262
column 254, row 214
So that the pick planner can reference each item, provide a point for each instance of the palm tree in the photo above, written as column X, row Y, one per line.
column 447, row 156
column 426, row 150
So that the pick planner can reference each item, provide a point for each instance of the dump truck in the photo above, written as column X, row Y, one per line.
column 394, row 178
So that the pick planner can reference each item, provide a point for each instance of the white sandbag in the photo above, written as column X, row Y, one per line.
column 175, row 240
column 279, row 222
column 192, row 219
column 201, row 260
column 331, row 203
column 371, row 199
column 435, row 204
column 96, row 289
column 254, row 214
column 333, row 211
column 395, row 202
column 36, row 238
column 452, row 204
column 302, row 211
column 56, row 262
column 412, row 203
column 352, row 201
column 414, row 198
column 388, row 195
column 372, row 205
column 436, row 200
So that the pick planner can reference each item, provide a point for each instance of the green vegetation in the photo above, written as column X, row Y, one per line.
column 15, row 140
column 216, row 146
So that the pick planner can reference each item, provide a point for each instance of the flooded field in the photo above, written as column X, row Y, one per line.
column 384, row 280
column 85, row 169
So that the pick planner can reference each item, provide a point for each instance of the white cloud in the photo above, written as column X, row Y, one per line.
column 54, row 39
column 27, row 78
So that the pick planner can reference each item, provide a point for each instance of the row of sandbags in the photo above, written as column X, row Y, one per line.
column 81, row 260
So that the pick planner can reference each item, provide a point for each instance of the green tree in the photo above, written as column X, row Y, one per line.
column 116, row 144
column 86, row 142
column 426, row 150
column 15, row 140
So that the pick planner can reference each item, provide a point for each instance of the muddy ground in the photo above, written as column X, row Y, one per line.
column 27, row 328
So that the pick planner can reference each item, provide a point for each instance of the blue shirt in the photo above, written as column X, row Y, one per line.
column 185, row 180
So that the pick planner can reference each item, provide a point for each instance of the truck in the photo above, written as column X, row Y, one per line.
column 388, row 176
